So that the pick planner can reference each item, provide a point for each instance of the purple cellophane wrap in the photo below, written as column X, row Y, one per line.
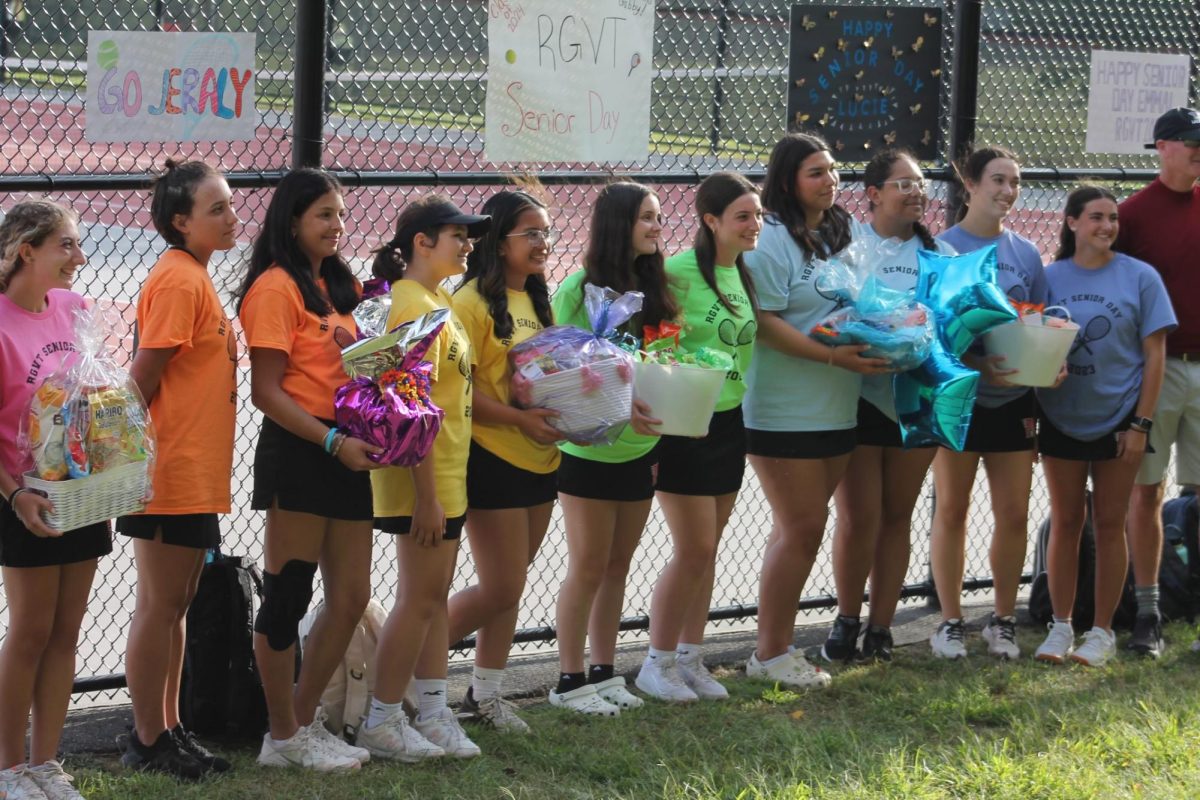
column 402, row 421
column 404, row 428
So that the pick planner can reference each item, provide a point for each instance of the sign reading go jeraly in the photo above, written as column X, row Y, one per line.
column 170, row 87
column 569, row 80
column 866, row 77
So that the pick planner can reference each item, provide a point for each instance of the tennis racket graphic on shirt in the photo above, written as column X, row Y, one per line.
column 1096, row 329
column 836, row 296
column 728, row 332
column 1018, row 293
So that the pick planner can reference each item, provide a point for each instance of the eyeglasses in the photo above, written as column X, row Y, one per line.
column 536, row 236
column 908, row 185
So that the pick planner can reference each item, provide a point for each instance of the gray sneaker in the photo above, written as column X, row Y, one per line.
column 53, row 781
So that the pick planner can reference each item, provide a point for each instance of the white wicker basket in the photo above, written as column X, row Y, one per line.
column 586, row 414
column 85, row 501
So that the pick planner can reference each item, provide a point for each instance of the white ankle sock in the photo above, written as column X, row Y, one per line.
column 431, row 696
column 381, row 711
column 655, row 655
column 485, row 683
column 687, row 652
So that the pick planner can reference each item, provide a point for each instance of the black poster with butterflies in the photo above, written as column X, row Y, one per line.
column 866, row 77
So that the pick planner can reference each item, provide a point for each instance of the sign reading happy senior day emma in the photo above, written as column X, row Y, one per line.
column 170, row 87
column 866, row 77
column 569, row 80
column 1127, row 92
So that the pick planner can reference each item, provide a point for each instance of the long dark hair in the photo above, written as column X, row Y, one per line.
column 1076, row 201
column 276, row 245
column 486, row 266
column 779, row 197
column 876, row 174
column 174, row 192
column 971, row 169
column 714, row 194
column 610, row 260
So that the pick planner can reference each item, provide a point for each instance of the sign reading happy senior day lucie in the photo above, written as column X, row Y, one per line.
column 569, row 80
column 866, row 77
column 170, row 87
column 1127, row 92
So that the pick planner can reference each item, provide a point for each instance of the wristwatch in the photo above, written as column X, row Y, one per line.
column 1143, row 424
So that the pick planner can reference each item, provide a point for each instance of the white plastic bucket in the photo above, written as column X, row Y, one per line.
column 682, row 396
column 1037, row 352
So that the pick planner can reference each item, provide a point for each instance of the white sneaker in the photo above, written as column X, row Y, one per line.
column 949, row 640
column 335, row 742
column 1058, row 644
column 613, row 690
column 1098, row 647
column 699, row 679
column 443, row 730
column 1001, row 636
column 305, row 749
column 395, row 739
column 795, row 672
column 660, row 678
column 15, row 784
column 53, row 781
column 584, row 700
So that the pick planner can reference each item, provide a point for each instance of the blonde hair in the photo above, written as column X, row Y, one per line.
column 29, row 222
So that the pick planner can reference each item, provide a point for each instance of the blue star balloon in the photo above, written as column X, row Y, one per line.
column 964, row 295
column 934, row 402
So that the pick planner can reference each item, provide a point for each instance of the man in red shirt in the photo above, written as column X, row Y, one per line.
column 1161, row 225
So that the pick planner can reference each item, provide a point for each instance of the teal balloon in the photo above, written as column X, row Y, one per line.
column 967, row 301
column 934, row 402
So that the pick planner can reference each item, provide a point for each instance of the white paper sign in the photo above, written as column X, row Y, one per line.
column 569, row 80
column 170, row 87
column 1127, row 92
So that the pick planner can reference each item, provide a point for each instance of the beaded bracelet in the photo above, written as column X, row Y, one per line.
column 338, row 441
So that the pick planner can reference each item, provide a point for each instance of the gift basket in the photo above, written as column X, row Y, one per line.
column 586, row 377
column 681, row 387
column 88, row 434
column 387, row 402
column 893, row 325
column 1035, row 345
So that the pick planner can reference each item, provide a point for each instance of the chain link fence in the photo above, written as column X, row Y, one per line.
column 405, row 87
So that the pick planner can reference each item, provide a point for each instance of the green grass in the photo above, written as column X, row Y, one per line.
column 915, row 729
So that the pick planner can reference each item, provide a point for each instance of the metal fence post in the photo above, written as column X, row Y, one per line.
column 964, row 89
column 714, row 136
column 308, row 121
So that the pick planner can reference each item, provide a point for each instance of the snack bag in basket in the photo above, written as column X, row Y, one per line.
column 388, row 401
column 88, row 417
column 585, row 376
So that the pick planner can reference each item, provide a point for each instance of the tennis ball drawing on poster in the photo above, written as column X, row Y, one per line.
column 569, row 80
column 866, row 77
column 170, row 87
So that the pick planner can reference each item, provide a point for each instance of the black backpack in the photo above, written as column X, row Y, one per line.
column 221, row 694
column 1179, row 573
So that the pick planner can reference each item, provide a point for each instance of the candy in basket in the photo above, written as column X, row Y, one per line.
column 88, row 435
column 388, row 401
column 891, row 323
column 587, row 377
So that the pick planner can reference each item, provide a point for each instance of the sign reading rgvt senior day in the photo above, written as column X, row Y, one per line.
column 1127, row 92
column 170, row 87
column 866, row 77
column 569, row 80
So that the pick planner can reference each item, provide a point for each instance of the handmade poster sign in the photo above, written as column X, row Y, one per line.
column 170, row 87
column 1127, row 92
column 569, row 80
column 866, row 77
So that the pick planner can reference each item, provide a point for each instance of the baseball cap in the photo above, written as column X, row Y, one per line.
column 438, row 212
column 1181, row 124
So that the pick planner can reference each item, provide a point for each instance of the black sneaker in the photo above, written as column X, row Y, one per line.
column 1147, row 636
column 163, row 756
column 842, row 644
column 877, row 643
column 189, row 744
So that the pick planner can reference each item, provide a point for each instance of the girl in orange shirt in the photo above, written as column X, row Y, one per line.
column 309, row 477
column 185, row 367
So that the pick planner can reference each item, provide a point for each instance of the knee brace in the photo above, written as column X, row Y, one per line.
column 285, row 602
